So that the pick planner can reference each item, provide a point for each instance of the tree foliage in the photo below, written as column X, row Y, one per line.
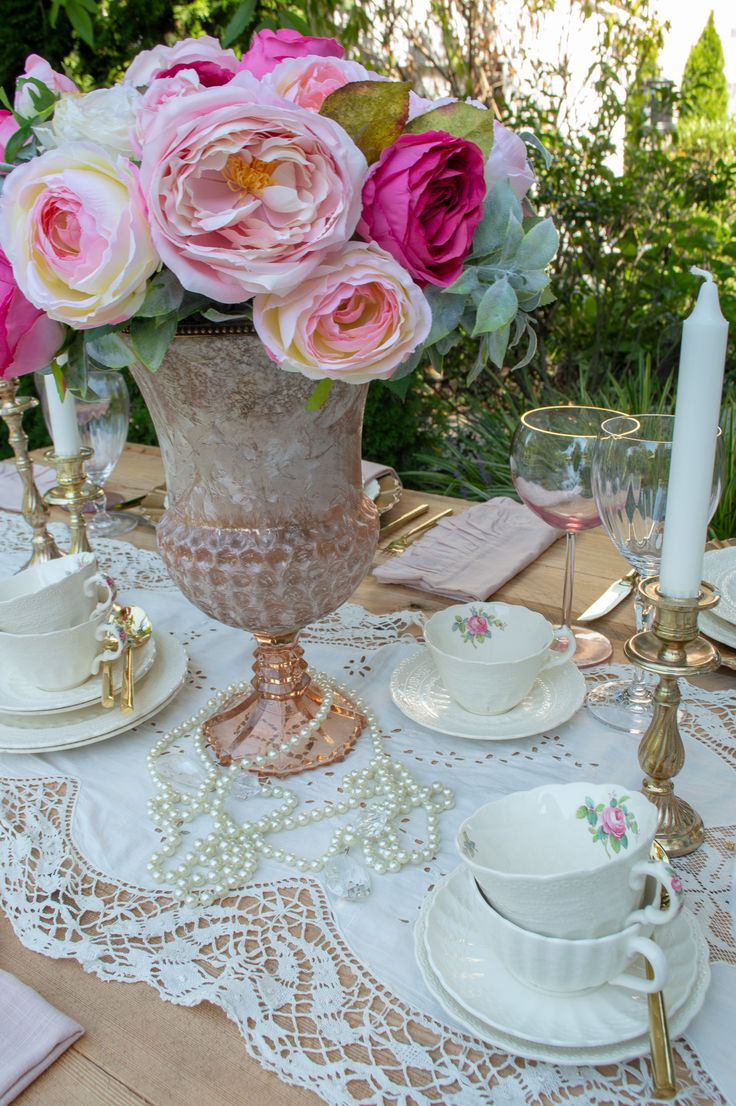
column 704, row 92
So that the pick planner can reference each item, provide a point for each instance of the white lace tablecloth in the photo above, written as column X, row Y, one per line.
column 326, row 993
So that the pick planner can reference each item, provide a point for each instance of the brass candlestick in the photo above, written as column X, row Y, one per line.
column 672, row 648
column 33, row 508
column 72, row 491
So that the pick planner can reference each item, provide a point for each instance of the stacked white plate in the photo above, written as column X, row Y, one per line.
column 719, row 569
column 601, row 1026
column 35, row 721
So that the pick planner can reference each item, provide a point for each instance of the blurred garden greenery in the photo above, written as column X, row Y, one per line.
column 621, row 277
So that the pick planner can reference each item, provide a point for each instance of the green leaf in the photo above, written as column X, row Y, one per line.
column 164, row 294
column 531, row 140
column 498, row 343
column 462, row 120
column 404, row 371
column 513, row 237
column 613, row 802
column 624, row 841
column 399, row 387
column 600, row 808
column 539, row 246
column 497, row 308
column 372, row 112
column 110, row 350
column 320, row 395
column 80, row 21
column 152, row 337
column 531, row 348
column 546, row 296
column 581, row 812
column 446, row 313
column 16, row 142
column 77, row 366
column 615, row 844
column 240, row 20
column 466, row 283
column 592, row 817
column 500, row 203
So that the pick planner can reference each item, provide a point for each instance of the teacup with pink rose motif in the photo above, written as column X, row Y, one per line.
column 488, row 655
column 570, row 860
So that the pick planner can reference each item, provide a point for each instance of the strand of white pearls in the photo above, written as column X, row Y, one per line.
column 228, row 856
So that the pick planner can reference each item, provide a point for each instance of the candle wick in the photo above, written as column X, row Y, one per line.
column 701, row 272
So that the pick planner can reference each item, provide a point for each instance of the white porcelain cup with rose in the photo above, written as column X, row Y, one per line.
column 488, row 655
column 569, row 860
column 54, row 595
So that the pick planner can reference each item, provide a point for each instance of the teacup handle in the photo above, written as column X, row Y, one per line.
column 114, row 631
column 92, row 587
column 657, row 960
column 666, row 878
column 562, row 647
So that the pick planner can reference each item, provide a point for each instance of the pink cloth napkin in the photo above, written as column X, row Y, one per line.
column 470, row 556
column 32, row 1035
column 373, row 471
column 11, row 485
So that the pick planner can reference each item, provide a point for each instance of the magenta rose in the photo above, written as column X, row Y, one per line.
column 28, row 337
column 477, row 624
column 204, row 54
column 422, row 201
column 613, row 821
column 268, row 48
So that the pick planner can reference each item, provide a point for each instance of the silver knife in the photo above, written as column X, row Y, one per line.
column 611, row 598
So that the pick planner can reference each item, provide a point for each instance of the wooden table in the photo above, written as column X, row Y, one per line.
column 140, row 1050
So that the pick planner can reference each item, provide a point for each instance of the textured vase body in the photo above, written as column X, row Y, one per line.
column 267, row 527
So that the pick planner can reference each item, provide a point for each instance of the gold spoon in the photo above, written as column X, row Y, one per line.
column 137, row 626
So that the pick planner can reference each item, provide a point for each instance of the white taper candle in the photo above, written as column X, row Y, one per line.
column 699, row 387
column 63, row 419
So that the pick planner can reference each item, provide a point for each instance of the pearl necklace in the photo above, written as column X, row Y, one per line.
column 226, row 858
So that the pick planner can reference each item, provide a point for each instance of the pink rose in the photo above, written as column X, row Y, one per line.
column 613, row 821
column 247, row 192
column 676, row 884
column 40, row 70
column 28, row 338
column 8, row 127
column 209, row 72
column 508, row 158
column 158, row 93
column 477, row 624
column 422, row 201
column 204, row 54
column 355, row 318
column 268, row 48
column 73, row 223
column 308, row 81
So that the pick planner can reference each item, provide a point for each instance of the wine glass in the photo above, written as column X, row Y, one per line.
column 551, row 460
column 103, row 426
column 631, row 465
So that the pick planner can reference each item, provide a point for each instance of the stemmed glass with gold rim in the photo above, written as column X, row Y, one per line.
column 551, row 462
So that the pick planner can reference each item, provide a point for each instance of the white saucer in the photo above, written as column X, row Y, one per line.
column 609, row 1024
column 717, row 628
column 419, row 693
column 719, row 569
column 94, row 723
column 18, row 696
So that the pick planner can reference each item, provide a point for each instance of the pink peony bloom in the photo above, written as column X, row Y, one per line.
column 158, row 93
column 73, row 223
column 8, row 127
column 40, row 70
column 28, row 338
column 355, row 318
column 189, row 52
column 308, row 81
column 477, row 624
column 246, row 192
column 422, row 201
column 509, row 159
column 613, row 821
column 268, row 48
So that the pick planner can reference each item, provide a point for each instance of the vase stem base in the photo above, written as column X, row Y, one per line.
column 250, row 725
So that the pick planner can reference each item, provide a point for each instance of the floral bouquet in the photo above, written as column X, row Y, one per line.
column 361, row 227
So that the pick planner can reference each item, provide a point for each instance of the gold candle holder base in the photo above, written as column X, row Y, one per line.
column 33, row 508
column 72, row 491
column 672, row 648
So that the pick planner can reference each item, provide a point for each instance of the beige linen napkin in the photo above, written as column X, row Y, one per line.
column 32, row 1035
column 11, row 485
column 373, row 471
column 470, row 556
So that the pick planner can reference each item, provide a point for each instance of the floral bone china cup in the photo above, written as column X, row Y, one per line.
column 54, row 595
column 488, row 655
column 569, row 860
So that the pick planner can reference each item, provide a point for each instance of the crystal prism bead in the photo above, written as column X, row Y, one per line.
column 181, row 768
column 374, row 821
column 245, row 787
column 346, row 878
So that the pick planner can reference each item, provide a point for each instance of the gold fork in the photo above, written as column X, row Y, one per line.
column 400, row 544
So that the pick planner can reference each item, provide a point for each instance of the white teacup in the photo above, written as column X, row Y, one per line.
column 488, row 655
column 569, row 860
column 568, row 966
column 54, row 595
column 64, row 658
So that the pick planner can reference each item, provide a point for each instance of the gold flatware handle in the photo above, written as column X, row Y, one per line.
column 127, row 695
column 108, row 695
column 663, row 1065
column 415, row 512
column 403, row 541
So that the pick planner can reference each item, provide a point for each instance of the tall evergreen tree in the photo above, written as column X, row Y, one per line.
column 704, row 89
